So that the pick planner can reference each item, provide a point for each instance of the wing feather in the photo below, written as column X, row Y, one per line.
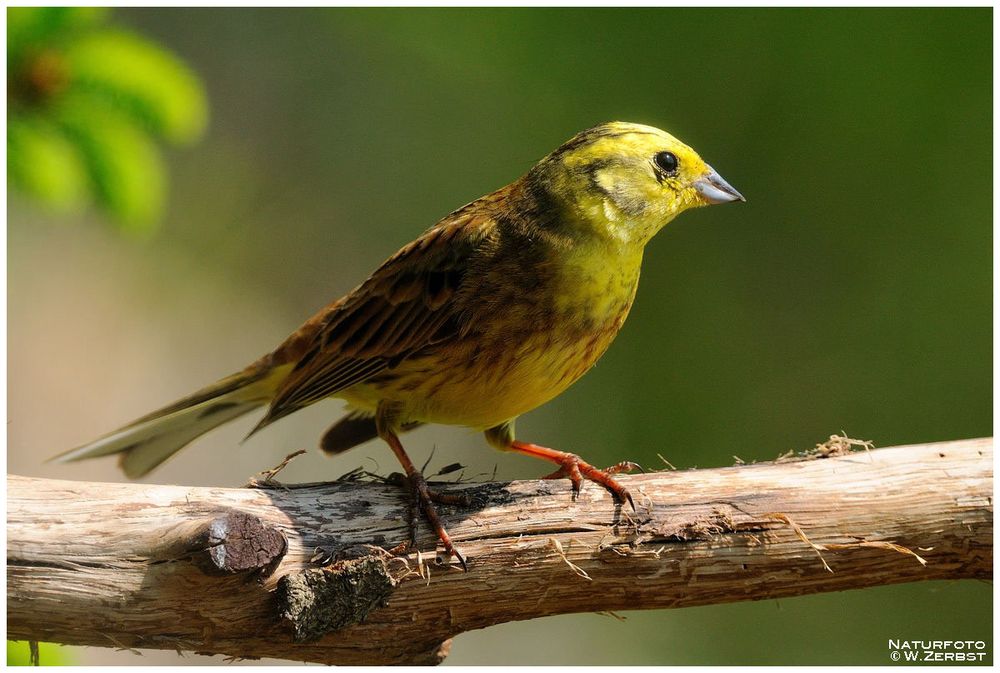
column 411, row 302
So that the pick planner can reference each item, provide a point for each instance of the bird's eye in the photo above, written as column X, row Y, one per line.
column 666, row 162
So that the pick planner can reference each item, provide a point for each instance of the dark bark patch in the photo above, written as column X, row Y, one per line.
column 238, row 542
column 318, row 601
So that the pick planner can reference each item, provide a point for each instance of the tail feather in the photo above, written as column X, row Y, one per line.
column 355, row 428
column 173, row 433
column 351, row 430
column 150, row 440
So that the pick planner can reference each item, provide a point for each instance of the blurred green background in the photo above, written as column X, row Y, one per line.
column 852, row 292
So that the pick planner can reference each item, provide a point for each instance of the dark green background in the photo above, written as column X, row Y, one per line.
column 851, row 292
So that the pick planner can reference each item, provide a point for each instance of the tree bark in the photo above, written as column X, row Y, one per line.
column 223, row 570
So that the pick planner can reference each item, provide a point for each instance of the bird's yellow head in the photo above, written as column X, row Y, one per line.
column 626, row 181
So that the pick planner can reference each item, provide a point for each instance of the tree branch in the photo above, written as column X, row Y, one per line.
column 219, row 570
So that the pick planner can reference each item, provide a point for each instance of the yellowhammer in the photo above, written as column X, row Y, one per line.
column 493, row 311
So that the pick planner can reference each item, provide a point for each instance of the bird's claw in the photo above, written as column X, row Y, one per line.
column 576, row 470
column 624, row 466
column 423, row 501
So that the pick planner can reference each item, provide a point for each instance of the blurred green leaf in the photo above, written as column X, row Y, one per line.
column 32, row 25
column 49, row 654
column 127, row 173
column 140, row 77
column 83, row 103
column 45, row 164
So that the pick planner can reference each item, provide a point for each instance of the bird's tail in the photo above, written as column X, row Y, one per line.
column 150, row 440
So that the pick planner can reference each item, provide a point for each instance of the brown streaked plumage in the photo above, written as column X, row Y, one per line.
column 493, row 311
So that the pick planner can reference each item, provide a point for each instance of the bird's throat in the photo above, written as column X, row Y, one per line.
column 597, row 284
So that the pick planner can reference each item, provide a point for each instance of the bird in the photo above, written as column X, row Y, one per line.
column 493, row 311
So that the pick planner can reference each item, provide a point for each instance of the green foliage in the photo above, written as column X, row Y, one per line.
column 44, row 163
column 141, row 78
column 49, row 654
column 28, row 27
column 86, row 104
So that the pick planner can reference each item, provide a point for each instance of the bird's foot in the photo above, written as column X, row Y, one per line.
column 423, row 499
column 574, row 468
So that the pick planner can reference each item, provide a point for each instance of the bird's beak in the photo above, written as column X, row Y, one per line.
column 713, row 189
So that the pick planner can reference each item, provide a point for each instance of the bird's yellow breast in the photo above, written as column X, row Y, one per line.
column 517, row 357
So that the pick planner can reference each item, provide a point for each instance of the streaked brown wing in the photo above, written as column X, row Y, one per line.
column 408, row 304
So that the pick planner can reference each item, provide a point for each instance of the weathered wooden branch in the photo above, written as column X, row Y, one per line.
column 222, row 570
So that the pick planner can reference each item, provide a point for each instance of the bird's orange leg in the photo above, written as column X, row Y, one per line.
column 424, row 498
column 574, row 468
